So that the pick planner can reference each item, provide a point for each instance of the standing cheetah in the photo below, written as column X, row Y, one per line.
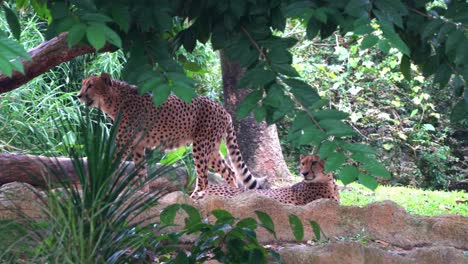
column 316, row 185
column 173, row 124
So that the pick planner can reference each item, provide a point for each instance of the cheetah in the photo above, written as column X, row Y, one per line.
column 173, row 124
column 315, row 185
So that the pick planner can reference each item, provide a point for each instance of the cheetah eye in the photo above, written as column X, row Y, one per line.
column 314, row 162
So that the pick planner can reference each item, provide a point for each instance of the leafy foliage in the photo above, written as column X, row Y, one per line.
column 430, row 35
column 228, row 240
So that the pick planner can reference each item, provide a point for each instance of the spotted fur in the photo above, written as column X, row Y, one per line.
column 173, row 124
column 316, row 185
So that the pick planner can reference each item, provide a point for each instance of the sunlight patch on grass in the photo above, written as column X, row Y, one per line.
column 415, row 201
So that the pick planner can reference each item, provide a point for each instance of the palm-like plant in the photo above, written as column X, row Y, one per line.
column 101, row 219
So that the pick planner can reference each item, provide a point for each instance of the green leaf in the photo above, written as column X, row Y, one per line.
column 368, row 181
column 95, row 36
column 330, row 114
column 181, row 258
column 453, row 40
column 219, row 37
column 369, row 41
column 194, row 216
column 326, row 148
column 334, row 161
column 384, row 46
column 5, row 66
column 12, row 21
column 311, row 135
column 278, row 20
column 313, row 27
column 223, row 216
column 112, row 37
column 320, row 14
column 279, row 56
column 316, row 228
column 432, row 27
column 266, row 221
column 189, row 39
column 390, row 34
column 121, row 16
column 160, row 94
column 249, row 103
column 358, row 8
column 247, row 223
column 184, row 91
column 285, row 69
column 376, row 169
column 76, row 34
column 257, row 77
column 168, row 214
column 296, row 227
column 259, row 114
column 443, row 74
column 303, row 92
column 360, row 157
column 336, row 128
column 405, row 67
column 11, row 49
column 96, row 17
column 348, row 174
column 17, row 65
column 172, row 157
column 356, row 147
column 150, row 84
column 275, row 95
column 459, row 111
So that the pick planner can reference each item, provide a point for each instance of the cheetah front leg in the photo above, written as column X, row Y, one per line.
column 138, row 158
column 138, row 154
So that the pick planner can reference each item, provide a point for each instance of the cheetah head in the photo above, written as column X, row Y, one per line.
column 312, row 169
column 94, row 89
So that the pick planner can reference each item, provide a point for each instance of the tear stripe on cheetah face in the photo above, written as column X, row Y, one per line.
column 316, row 185
column 173, row 124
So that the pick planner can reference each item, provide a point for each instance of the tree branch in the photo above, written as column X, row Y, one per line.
column 44, row 57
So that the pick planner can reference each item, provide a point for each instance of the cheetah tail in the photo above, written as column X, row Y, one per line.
column 242, row 172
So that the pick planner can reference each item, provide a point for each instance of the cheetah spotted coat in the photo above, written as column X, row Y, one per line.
column 316, row 185
column 173, row 124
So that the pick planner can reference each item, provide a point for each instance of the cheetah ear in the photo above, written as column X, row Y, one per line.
column 322, row 163
column 301, row 156
column 106, row 78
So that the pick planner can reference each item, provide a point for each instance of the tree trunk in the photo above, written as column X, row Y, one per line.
column 44, row 57
column 258, row 142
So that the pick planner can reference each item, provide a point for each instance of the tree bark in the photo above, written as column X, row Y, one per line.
column 44, row 57
column 258, row 142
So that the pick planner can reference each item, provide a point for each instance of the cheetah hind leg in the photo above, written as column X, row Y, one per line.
column 200, row 158
column 219, row 164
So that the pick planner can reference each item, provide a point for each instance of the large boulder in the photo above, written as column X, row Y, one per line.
column 391, row 235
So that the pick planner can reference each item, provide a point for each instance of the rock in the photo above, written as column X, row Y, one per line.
column 393, row 235
column 18, row 198
column 354, row 252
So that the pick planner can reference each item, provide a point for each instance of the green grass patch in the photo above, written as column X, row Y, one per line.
column 415, row 201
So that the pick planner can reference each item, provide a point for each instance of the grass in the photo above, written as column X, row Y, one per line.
column 415, row 201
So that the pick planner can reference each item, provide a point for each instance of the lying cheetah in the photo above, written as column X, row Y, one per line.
column 173, row 124
column 316, row 184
